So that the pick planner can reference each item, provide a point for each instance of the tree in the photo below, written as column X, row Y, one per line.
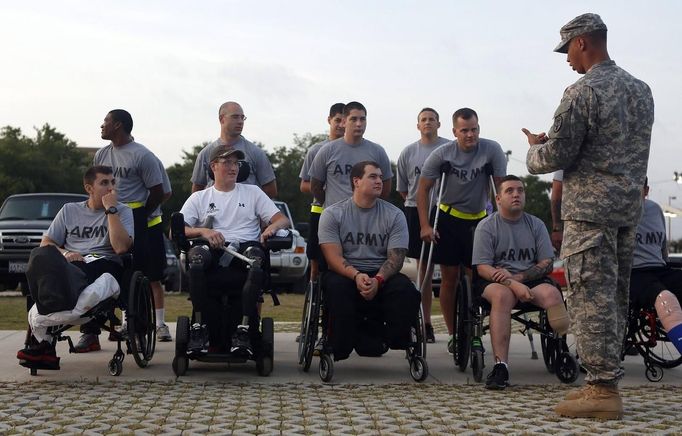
column 50, row 162
column 537, row 199
column 179, row 175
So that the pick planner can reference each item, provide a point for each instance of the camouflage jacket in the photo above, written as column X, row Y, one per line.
column 600, row 137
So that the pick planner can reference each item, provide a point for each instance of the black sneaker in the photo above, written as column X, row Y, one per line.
column 241, row 343
column 498, row 378
column 198, row 339
column 430, row 337
column 43, row 352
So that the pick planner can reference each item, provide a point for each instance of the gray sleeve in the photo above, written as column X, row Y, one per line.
column 318, row 169
column 264, row 171
column 399, row 237
column 165, row 181
column 151, row 175
column 199, row 176
column 402, row 183
column 385, row 164
column 483, row 252
column 307, row 162
column 499, row 161
column 542, row 241
column 431, row 167
column 57, row 230
column 328, row 229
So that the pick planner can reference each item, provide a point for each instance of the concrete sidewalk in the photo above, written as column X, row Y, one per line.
column 367, row 396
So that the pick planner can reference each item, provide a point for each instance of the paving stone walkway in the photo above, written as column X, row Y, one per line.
column 292, row 408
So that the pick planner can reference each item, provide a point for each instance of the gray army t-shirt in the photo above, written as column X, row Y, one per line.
column 334, row 161
column 82, row 230
column 309, row 158
column 409, row 167
column 513, row 245
column 650, row 237
column 365, row 235
column 261, row 172
column 467, row 185
column 165, row 184
column 136, row 169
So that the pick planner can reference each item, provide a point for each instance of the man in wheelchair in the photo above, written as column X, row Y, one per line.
column 513, row 256
column 364, row 240
column 652, row 282
column 91, row 235
column 227, row 213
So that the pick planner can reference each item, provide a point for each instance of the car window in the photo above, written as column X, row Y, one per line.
column 34, row 208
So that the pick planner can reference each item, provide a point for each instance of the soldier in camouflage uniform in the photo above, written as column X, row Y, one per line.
column 600, row 138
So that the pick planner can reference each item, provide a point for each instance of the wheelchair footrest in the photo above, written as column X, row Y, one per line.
column 52, row 366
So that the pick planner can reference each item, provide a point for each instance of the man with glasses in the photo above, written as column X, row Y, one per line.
column 260, row 172
column 235, row 211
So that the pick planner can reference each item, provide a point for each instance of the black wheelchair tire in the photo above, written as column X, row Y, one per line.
column 326, row 368
column 181, row 336
column 566, row 368
column 463, row 331
column 477, row 365
column 419, row 370
column 141, row 317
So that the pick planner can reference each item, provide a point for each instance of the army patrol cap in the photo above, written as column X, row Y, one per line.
column 580, row 25
column 225, row 151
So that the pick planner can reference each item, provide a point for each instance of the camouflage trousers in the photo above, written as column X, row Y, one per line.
column 598, row 259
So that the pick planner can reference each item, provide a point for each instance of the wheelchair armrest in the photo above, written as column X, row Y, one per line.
column 178, row 232
column 280, row 242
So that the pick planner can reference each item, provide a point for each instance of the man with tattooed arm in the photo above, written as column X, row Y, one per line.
column 364, row 240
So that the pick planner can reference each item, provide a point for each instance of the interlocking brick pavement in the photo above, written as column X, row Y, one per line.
column 298, row 408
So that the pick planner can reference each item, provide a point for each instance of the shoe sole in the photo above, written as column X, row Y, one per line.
column 168, row 339
column 496, row 387
column 88, row 349
column 597, row 415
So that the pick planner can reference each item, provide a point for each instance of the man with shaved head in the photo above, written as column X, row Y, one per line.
column 260, row 172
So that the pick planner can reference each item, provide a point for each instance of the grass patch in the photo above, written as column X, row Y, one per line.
column 13, row 309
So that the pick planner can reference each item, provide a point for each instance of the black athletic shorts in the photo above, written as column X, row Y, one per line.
column 313, row 248
column 414, row 229
column 140, row 245
column 456, row 242
column 647, row 283
column 156, row 261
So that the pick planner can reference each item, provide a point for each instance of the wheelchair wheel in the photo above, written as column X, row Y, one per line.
column 477, row 364
column 265, row 361
column 180, row 365
column 566, row 368
column 419, row 370
column 463, row 325
column 115, row 367
column 652, row 342
column 548, row 344
column 141, row 318
column 310, row 325
column 326, row 367
column 654, row 373
column 181, row 336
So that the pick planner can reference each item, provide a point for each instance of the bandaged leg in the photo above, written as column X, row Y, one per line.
column 558, row 318
column 670, row 314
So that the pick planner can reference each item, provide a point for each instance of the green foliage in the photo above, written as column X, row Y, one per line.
column 287, row 162
column 50, row 162
column 537, row 199
column 179, row 175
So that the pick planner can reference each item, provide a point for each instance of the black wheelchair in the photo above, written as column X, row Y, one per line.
column 646, row 335
column 230, row 306
column 137, row 299
column 469, row 321
column 314, row 321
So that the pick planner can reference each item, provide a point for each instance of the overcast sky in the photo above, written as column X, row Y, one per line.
column 171, row 64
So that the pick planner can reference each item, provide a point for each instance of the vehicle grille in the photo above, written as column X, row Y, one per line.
column 20, row 240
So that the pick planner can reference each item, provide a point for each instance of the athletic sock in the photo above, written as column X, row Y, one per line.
column 675, row 336
column 160, row 314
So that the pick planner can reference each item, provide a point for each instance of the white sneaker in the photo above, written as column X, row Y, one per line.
column 163, row 334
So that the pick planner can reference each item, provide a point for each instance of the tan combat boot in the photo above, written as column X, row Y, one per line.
column 580, row 392
column 599, row 401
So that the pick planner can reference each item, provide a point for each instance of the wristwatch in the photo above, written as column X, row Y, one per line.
column 111, row 210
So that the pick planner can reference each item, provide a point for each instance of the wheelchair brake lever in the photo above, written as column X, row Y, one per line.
column 238, row 255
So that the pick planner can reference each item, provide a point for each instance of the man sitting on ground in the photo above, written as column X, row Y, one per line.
column 513, row 256
column 652, row 282
column 225, row 212
column 364, row 240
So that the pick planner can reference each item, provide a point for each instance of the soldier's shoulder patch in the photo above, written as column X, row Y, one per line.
column 558, row 122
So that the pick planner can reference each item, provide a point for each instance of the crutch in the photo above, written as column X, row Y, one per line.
column 533, row 354
column 444, row 171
